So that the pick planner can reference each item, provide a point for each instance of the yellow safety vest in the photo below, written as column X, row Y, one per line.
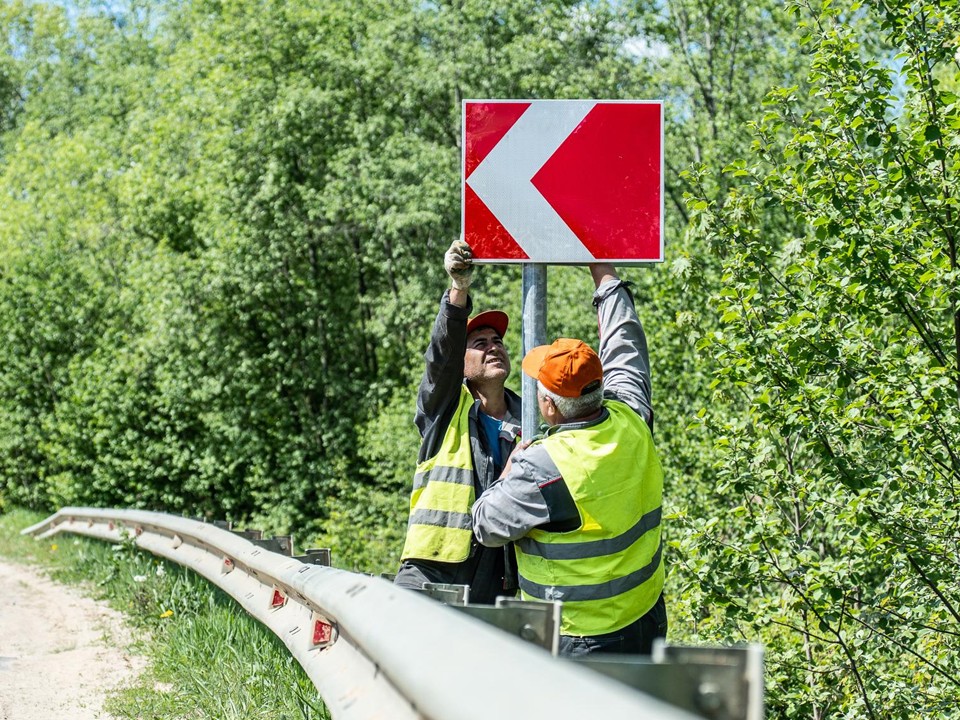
column 440, row 526
column 609, row 571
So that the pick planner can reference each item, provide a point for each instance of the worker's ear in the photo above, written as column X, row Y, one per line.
column 548, row 408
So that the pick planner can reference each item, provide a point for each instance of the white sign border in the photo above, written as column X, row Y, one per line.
column 608, row 101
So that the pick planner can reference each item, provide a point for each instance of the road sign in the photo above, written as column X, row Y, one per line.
column 563, row 181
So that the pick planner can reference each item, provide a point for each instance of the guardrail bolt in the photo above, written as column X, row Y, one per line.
column 319, row 556
column 528, row 632
column 709, row 698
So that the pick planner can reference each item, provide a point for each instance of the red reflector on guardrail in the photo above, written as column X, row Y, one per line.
column 278, row 600
column 324, row 632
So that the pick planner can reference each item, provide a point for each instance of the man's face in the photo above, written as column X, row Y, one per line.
column 486, row 357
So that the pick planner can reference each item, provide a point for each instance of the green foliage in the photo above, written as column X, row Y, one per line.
column 207, row 658
column 365, row 530
column 221, row 227
column 236, row 670
column 844, row 339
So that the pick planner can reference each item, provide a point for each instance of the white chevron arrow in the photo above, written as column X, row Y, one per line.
column 503, row 182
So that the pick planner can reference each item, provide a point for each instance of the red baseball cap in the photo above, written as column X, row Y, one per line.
column 491, row 318
column 566, row 367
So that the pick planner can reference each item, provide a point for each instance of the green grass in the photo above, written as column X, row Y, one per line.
column 206, row 657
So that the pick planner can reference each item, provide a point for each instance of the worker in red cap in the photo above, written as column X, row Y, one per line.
column 469, row 424
column 582, row 505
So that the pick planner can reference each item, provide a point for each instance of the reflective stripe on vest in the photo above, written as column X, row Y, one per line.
column 608, row 572
column 440, row 527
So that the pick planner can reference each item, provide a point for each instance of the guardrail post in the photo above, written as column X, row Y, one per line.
column 316, row 556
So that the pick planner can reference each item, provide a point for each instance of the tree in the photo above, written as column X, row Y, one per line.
column 843, row 339
column 277, row 183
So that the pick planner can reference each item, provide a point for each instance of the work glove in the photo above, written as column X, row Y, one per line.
column 458, row 262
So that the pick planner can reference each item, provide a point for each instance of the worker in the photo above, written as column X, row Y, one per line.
column 583, row 503
column 469, row 424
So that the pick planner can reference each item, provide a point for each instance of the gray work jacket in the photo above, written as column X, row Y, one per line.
column 532, row 494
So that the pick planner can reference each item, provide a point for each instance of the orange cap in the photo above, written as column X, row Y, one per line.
column 566, row 367
column 491, row 318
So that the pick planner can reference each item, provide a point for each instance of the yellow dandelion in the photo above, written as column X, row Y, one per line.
column 166, row 613
column 53, row 548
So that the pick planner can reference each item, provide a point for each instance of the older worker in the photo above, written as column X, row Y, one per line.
column 583, row 504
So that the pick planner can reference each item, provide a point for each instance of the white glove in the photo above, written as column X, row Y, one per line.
column 458, row 262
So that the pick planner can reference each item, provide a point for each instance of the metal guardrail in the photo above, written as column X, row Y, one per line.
column 717, row 683
column 374, row 650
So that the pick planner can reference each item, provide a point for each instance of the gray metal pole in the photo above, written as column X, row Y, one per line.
column 534, row 333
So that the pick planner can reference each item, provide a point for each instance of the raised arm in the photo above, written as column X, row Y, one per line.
column 623, row 344
column 603, row 272
column 439, row 390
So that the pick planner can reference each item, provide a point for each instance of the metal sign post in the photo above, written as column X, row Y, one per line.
column 534, row 333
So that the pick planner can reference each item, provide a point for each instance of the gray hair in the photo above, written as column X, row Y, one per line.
column 573, row 408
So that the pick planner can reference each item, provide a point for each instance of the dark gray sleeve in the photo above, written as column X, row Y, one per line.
column 443, row 374
column 623, row 349
column 531, row 495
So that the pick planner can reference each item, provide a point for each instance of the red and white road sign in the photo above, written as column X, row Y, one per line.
column 563, row 181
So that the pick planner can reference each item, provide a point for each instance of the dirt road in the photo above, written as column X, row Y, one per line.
column 60, row 652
